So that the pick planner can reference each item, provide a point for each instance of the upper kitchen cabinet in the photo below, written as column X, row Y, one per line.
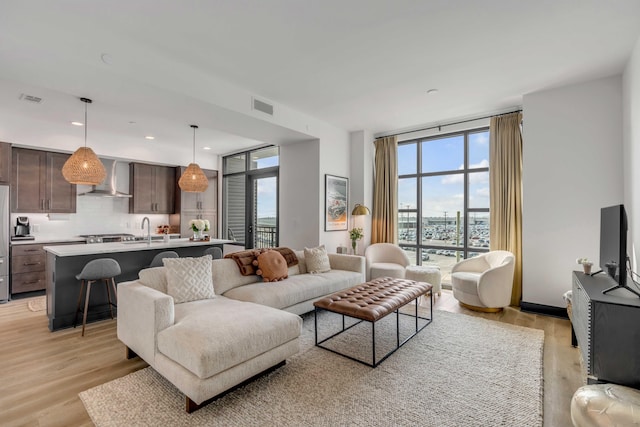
column 199, row 205
column 5, row 163
column 152, row 188
column 37, row 184
column 206, row 201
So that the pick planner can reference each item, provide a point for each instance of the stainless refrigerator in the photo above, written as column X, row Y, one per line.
column 4, row 243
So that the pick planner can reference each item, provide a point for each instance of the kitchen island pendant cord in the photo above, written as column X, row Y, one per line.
column 193, row 180
column 84, row 167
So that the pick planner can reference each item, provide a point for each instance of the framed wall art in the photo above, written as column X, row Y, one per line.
column 336, row 196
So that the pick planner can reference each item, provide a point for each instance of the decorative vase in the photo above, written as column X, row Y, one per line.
column 354, row 245
column 587, row 267
column 197, row 235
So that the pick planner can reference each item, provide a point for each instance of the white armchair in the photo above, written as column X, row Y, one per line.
column 485, row 282
column 385, row 260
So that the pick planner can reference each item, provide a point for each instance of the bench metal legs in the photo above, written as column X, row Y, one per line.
column 399, row 344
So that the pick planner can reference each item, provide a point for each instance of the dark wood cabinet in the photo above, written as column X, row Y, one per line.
column 607, row 328
column 199, row 205
column 37, row 184
column 27, row 268
column 152, row 188
column 5, row 163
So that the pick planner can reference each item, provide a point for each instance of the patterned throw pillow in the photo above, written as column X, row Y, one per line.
column 317, row 260
column 189, row 279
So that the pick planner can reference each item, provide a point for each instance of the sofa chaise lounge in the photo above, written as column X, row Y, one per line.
column 206, row 347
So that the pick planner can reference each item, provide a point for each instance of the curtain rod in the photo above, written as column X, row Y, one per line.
column 451, row 124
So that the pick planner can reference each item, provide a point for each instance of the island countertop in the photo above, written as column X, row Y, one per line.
column 107, row 248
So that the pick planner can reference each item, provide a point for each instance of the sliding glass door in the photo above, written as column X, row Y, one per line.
column 250, row 211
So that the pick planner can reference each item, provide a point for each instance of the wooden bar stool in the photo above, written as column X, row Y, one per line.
column 103, row 269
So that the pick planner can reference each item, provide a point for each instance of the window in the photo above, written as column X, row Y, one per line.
column 250, row 194
column 443, row 198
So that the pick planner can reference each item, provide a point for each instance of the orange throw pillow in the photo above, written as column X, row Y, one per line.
column 271, row 266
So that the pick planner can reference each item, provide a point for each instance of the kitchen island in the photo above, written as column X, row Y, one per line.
column 64, row 262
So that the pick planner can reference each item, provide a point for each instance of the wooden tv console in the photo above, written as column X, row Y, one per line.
column 607, row 329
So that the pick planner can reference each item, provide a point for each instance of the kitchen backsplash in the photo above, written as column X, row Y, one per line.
column 94, row 215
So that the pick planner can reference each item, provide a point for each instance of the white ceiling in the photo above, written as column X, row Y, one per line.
column 356, row 64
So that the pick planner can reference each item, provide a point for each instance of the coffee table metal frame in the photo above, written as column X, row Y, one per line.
column 373, row 330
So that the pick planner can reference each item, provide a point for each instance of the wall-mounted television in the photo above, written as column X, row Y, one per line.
column 613, row 246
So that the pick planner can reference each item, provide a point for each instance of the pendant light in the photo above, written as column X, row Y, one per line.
column 84, row 167
column 193, row 180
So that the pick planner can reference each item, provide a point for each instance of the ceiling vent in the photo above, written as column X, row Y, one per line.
column 30, row 98
column 262, row 106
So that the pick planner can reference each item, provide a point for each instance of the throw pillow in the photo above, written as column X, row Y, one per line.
column 189, row 279
column 271, row 266
column 317, row 260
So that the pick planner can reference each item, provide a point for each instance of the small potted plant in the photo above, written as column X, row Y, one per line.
column 355, row 234
column 586, row 264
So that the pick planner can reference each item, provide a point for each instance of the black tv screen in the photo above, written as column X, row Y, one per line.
column 613, row 242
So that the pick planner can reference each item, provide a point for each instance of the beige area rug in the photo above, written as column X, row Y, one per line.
column 458, row 371
column 37, row 304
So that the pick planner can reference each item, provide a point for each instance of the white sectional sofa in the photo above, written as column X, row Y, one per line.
column 209, row 346
column 295, row 294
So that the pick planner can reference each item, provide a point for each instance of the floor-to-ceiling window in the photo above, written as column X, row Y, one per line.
column 443, row 198
column 250, row 194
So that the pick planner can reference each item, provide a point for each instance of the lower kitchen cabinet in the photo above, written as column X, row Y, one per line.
column 28, row 267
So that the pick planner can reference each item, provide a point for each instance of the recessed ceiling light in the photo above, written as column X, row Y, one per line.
column 432, row 91
column 132, row 122
column 149, row 137
column 77, row 123
column 206, row 148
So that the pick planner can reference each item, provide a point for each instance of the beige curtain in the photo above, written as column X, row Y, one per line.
column 384, row 220
column 505, row 176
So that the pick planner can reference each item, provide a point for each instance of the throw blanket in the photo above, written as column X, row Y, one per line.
column 244, row 259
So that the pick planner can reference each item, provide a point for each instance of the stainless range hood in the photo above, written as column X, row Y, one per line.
column 108, row 188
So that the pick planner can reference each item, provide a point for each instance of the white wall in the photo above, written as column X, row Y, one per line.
column 299, row 219
column 361, row 183
column 631, row 132
column 572, row 167
column 335, row 154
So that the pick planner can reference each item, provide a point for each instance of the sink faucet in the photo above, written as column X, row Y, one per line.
column 146, row 218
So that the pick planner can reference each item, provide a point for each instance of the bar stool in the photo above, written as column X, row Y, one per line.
column 215, row 252
column 104, row 269
column 157, row 260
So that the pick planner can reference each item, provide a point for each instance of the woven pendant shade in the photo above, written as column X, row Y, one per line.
column 84, row 167
column 193, row 180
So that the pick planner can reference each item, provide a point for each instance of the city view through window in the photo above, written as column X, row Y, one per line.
column 443, row 198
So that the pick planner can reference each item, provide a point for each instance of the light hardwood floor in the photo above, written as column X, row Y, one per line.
column 41, row 373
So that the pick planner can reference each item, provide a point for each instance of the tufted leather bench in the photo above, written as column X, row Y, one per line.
column 370, row 302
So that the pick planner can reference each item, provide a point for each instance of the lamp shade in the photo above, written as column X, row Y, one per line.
column 84, row 167
column 193, row 180
column 360, row 210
